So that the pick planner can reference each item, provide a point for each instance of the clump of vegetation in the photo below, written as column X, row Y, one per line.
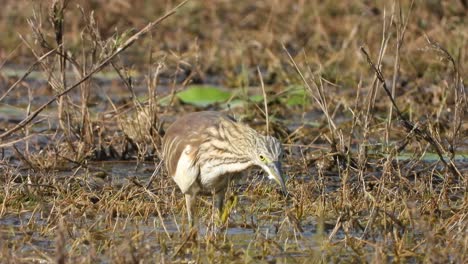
column 368, row 98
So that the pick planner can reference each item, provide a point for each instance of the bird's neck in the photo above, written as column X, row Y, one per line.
column 216, row 169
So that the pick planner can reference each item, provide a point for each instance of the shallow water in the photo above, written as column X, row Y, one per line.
column 30, row 233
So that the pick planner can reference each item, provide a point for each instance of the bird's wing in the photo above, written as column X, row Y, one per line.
column 187, row 169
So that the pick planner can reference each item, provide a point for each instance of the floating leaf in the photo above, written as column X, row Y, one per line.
column 203, row 95
column 296, row 95
column 256, row 98
column 238, row 102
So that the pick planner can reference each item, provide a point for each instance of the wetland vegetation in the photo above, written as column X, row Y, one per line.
column 367, row 97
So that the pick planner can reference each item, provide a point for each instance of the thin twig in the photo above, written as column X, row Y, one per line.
column 28, row 71
column 156, row 170
column 410, row 127
column 264, row 101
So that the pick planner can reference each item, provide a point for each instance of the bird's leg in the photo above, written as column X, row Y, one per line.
column 219, row 200
column 189, row 201
column 217, row 212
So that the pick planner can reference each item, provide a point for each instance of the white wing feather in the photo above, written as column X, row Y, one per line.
column 186, row 172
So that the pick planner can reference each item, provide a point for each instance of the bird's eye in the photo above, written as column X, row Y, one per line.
column 262, row 158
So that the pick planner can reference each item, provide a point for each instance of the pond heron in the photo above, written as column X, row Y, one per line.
column 204, row 150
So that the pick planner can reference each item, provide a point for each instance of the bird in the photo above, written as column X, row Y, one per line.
column 203, row 151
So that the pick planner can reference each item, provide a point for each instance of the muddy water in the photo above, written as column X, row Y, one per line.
column 25, row 231
column 29, row 233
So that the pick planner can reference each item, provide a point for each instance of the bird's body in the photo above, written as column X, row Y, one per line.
column 203, row 150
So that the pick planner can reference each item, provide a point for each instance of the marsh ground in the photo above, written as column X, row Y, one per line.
column 371, row 182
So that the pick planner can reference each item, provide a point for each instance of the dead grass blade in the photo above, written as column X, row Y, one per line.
column 107, row 60
column 409, row 126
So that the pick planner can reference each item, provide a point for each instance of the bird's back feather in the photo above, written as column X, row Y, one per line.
column 186, row 131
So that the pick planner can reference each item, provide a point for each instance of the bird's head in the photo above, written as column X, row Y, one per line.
column 267, row 155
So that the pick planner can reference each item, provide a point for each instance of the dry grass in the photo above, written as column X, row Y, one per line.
column 376, row 162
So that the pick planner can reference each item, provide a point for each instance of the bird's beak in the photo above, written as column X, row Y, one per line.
column 275, row 173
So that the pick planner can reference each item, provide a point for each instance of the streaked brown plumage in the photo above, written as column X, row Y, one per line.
column 202, row 150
